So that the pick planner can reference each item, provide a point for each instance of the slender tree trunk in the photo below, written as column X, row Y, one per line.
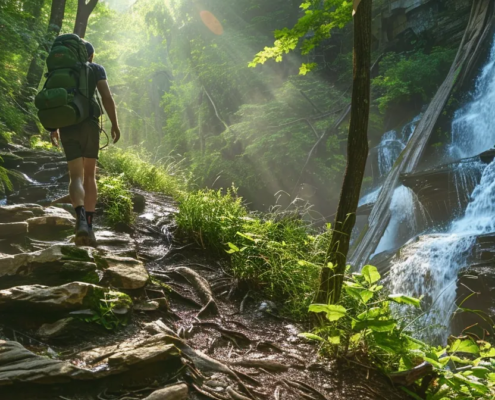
column 357, row 152
column 35, row 72
column 84, row 10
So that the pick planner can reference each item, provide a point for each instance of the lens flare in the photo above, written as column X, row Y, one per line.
column 211, row 22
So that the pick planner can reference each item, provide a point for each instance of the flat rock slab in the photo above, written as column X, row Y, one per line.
column 20, row 212
column 176, row 392
column 19, row 365
column 52, row 217
column 119, row 244
column 124, row 272
column 12, row 229
column 37, row 298
column 55, row 265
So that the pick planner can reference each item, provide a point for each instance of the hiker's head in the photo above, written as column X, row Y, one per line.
column 91, row 51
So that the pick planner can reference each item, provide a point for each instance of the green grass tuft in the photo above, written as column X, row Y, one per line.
column 141, row 172
column 115, row 195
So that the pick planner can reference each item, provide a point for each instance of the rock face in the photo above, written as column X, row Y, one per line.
column 19, row 365
column 53, row 217
column 37, row 298
column 124, row 272
column 12, row 229
column 20, row 212
column 117, row 244
column 53, row 266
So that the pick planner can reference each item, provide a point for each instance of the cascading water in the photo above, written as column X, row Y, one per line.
column 473, row 128
column 430, row 265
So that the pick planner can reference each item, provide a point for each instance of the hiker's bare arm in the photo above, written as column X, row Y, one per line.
column 109, row 104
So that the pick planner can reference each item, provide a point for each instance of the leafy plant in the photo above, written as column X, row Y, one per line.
column 111, row 312
column 364, row 323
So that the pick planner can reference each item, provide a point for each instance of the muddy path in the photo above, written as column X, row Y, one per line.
column 181, row 325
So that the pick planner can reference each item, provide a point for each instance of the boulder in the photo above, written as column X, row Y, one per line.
column 29, row 194
column 10, row 160
column 19, row 365
column 124, row 272
column 139, row 202
column 47, row 175
column 53, row 217
column 12, row 229
column 59, row 299
column 53, row 266
column 175, row 392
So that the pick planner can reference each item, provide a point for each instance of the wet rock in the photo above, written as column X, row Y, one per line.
column 67, row 330
column 28, row 167
column 47, row 175
column 19, row 365
column 29, row 194
column 60, row 299
column 124, row 272
column 139, row 202
column 54, row 218
column 148, row 305
column 143, row 355
column 10, row 160
column 12, row 229
column 119, row 244
column 53, row 266
column 176, row 392
column 20, row 212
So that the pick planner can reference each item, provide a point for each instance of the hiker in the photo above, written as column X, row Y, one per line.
column 81, row 146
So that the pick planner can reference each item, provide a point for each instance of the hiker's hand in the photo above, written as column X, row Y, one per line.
column 55, row 137
column 115, row 133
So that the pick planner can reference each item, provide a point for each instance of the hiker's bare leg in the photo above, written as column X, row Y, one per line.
column 76, row 186
column 90, row 188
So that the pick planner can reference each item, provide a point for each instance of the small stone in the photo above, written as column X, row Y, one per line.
column 124, row 272
column 176, row 392
column 13, row 229
column 149, row 305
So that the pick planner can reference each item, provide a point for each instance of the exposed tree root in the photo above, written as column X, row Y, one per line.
column 203, row 289
column 268, row 365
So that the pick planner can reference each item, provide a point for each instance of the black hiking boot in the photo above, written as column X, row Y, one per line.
column 92, row 238
column 82, row 228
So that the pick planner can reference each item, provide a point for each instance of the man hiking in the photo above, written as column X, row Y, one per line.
column 81, row 146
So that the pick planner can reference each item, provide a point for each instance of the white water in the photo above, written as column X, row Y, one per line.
column 473, row 128
column 430, row 266
column 404, row 219
column 369, row 198
column 392, row 144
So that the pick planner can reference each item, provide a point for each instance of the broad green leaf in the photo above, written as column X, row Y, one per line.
column 311, row 336
column 334, row 312
column 480, row 372
column 375, row 325
column 372, row 313
column 334, row 340
column 491, row 377
column 465, row 346
column 371, row 274
column 401, row 299
column 488, row 353
column 479, row 387
column 233, row 247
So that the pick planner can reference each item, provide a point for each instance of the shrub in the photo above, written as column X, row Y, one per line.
column 406, row 75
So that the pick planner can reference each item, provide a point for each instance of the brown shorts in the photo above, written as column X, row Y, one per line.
column 81, row 140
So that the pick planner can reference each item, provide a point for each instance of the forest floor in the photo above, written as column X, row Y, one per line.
column 190, row 322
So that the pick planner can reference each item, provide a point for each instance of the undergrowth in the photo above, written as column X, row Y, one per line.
column 139, row 170
column 115, row 195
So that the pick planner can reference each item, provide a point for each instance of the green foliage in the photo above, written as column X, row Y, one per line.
column 319, row 19
column 107, row 314
column 139, row 170
column 365, row 323
column 117, row 199
column 274, row 254
column 403, row 76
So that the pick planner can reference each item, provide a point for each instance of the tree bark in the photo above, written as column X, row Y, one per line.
column 357, row 153
column 35, row 72
column 84, row 10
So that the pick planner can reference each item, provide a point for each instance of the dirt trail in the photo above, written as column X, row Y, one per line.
column 189, row 321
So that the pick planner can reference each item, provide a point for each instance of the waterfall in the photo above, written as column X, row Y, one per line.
column 430, row 266
column 369, row 198
column 473, row 130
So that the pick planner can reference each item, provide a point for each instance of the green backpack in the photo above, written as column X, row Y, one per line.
column 67, row 96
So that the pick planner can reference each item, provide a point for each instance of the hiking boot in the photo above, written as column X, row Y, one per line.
column 92, row 238
column 82, row 229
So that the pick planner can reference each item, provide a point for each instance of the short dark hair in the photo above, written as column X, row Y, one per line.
column 89, row 48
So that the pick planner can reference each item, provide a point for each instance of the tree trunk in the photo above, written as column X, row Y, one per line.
column 33, row 8
column 35, row 72
column 357, row 153
column 84, row 10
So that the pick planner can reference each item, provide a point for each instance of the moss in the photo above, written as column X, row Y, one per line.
column 75, row 253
